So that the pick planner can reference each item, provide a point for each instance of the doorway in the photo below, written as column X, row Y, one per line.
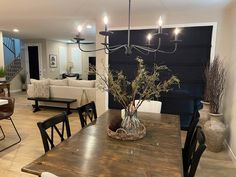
column 33, row 62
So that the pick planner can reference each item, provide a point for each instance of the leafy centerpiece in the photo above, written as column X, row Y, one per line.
column 146, row 86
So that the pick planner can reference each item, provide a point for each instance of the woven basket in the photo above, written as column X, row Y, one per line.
column 122, row 134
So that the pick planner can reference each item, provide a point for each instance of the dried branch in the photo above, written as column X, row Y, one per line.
column 145, row 86
column 216, row 84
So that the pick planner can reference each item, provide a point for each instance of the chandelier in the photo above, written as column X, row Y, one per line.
column 146, row 49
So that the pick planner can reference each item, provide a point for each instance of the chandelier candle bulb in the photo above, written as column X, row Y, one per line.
column 149, row 37
column 176, row 31
column 160, row 23
column 105, row 20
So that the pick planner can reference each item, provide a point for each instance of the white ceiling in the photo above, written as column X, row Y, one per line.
column 58, row 19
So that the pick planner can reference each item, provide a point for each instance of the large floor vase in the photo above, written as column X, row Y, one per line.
column 204, row 113
column 131, row 128
column 215, row 132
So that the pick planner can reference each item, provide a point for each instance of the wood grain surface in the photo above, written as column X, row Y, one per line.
column 91, row 152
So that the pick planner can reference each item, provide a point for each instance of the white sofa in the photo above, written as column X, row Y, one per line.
column 67, row 88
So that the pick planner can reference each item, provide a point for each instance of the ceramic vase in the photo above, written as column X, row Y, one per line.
column 215, row 132
column 204, row 113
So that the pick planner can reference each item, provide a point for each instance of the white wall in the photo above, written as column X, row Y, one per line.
column 52, row 47
column 84, row 57
column 227, row 52
column 1, row 50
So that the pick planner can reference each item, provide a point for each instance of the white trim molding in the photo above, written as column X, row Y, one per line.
column 231, row 153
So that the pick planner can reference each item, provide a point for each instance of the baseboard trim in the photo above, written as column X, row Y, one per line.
column 231, row 153
column 15, row 91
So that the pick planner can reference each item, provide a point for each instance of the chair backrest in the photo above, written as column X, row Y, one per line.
column 149, row 106
column 179, row 103
column 189, row 137
column 9, row 108
column 196, row 149
column 53, row 123
column 87, row 111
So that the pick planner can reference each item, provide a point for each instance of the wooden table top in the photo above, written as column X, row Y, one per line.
column 91, row 152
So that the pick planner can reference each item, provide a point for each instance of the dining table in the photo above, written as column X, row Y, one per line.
column 91, row 152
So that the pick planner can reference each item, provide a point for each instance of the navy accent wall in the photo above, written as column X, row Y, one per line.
column 188, row 63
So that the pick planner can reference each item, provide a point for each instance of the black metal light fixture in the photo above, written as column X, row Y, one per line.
column 158, row 36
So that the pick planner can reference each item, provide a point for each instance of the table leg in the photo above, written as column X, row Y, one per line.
column 8, row 90
column 36, row 106
column 68, row 109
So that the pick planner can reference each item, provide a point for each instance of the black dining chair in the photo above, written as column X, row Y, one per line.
column 179, row 103
column 6, row 111
column 87, row 111
column 189, row 136
column 195, row 152
column 53, row 123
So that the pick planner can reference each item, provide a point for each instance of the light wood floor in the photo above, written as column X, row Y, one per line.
column 13, row 159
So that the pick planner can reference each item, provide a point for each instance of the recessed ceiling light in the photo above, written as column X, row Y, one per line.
column 15, row 30
column 89, row 26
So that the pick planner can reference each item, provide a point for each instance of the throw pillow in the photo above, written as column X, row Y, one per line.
column 41, row 89
column 58, row 82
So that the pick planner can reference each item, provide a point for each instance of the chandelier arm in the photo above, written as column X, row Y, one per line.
column 116, row 48
column 129, row 23
column 95, row 50
column 159, row 44
column 148, row 49
column 156, row 50
column 113, row 47
column 169, row 52
column 140, row 50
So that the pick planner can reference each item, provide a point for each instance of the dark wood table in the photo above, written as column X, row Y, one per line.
column 91, row 152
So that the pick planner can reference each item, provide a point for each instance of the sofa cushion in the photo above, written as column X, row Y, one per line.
column 73, row 78
column 41, row 89
column 62, row 82
column 35, row 80
column 81, row 83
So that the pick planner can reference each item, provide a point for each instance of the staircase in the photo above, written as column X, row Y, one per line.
column 14, row 67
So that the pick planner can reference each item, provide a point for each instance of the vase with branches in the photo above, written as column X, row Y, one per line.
column 214, row 128
column 216, row 85
column 147, row 85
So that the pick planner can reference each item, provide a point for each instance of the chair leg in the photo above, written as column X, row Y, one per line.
column 3, row 134
column 16, row 133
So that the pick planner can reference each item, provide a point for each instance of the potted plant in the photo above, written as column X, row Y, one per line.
column 23, row 78
column 204, row 112
column 214, row 128
column 2, row 74
column 145, row 86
